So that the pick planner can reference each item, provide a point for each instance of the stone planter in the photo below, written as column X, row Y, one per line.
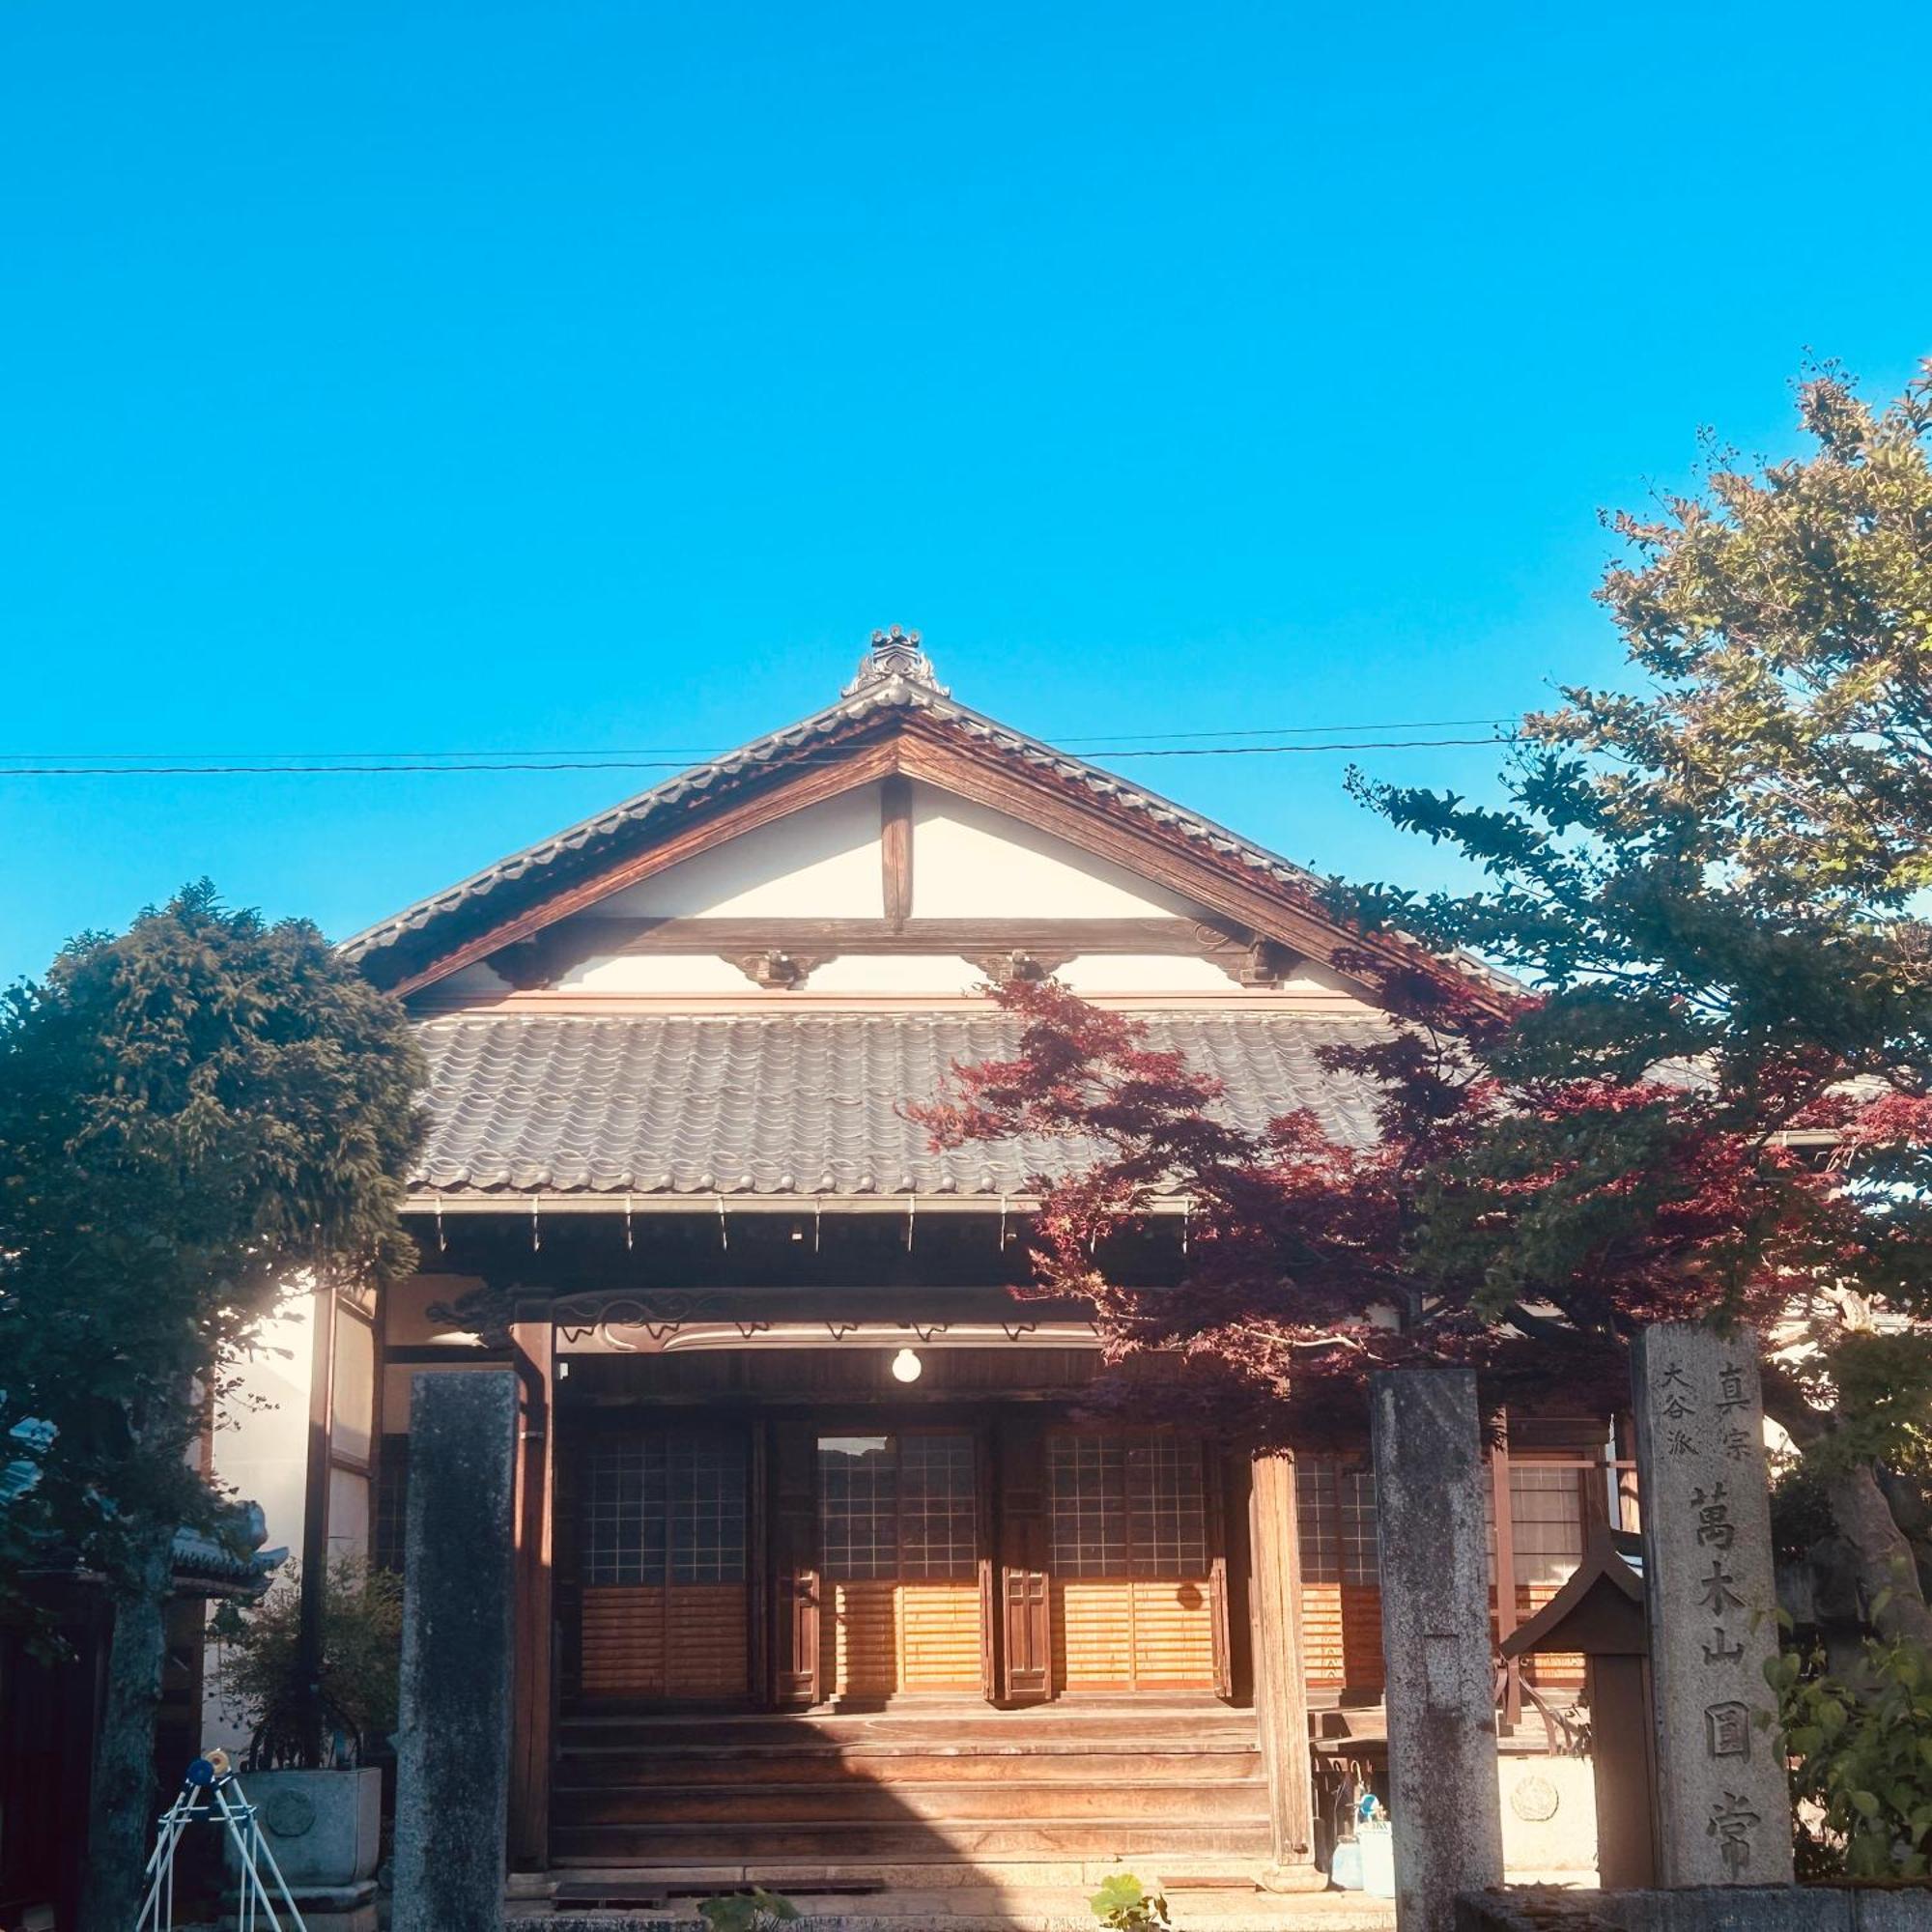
column 326, row 1831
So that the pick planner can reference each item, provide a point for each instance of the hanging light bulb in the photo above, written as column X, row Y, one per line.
column 907, row 1366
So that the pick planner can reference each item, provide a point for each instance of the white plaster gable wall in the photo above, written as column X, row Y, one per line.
column 1102, row 973
column 261, row 1452
column 970, row 862
column 656, row 972
column 821, row 862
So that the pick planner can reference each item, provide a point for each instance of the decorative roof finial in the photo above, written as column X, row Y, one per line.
column 895, row 653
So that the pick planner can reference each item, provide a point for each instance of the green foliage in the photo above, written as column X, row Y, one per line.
column 1861, row 1761
column 361, row 1652
column 1124, row 1903
column 1800, row 1512
column 196, row 1119
column 1720, row 877
column 753, row 1910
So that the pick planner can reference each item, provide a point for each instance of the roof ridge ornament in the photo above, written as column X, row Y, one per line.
column 895, row 653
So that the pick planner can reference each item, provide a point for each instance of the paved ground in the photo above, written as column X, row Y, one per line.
column 969, row 1909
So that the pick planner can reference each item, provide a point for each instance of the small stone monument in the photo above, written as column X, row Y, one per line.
column 1724, row 1807
column 1443, row 1795
column 453, row 1757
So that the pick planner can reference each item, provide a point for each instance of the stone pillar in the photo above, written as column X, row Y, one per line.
column 1281, row 1696
column 1724, row 1807
column 1443, row 1789
column 453, row 1762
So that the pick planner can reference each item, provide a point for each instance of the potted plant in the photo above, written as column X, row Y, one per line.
column 318, row 1804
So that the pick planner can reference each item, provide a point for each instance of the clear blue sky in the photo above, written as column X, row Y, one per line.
column 415, row 377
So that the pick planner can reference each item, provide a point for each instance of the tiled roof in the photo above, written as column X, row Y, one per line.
column 587, row 840
column 796, row 1104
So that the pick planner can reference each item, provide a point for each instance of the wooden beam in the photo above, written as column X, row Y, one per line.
column 1281, row 1696
column 895, row 848
column 544, row 957
column 532, row 1345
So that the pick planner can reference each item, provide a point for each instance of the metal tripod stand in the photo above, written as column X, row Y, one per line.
column 210, row 1794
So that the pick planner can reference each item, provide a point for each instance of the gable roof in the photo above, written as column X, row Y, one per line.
column 788, row 1105
column 895, row 694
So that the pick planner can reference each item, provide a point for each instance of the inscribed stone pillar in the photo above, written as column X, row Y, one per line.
column 453, row 1761
column 1443, row 1790
column 1724, row 1807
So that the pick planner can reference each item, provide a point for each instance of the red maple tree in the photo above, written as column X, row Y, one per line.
column 1523, row 1227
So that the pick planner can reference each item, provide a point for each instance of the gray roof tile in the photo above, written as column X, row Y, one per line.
column 796, row 1104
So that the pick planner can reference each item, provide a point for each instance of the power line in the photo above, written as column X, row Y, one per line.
column 700, row 751
column 453, row 762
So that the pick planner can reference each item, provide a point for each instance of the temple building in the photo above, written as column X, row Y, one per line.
column 822, row 1569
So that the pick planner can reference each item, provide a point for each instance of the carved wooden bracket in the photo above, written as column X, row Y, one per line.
column 778, row 970
column 530, row 963
column 1245, row 956
column 1003, row 968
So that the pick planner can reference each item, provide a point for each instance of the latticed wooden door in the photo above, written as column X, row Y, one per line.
column 662, row 1551
column 901, row 1603
column 1341, row 1576
column 1139, row 1583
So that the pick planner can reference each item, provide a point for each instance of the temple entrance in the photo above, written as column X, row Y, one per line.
column 1138, row 1581
column 899, row 1545
column 665, row 1616
column 769, row 1529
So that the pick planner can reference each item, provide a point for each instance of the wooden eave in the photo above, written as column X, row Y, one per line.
column 1599, row 1611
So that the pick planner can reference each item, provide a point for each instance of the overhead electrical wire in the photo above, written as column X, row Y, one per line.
column 717, row 751
column 374, row 764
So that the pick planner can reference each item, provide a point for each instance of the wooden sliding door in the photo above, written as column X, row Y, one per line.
column 662, row 1567
column 899, row 1591
column 1139, row 1580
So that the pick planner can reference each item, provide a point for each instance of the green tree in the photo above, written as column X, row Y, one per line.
column 264, row 1671
column 1724, row 875
column 197, row 1119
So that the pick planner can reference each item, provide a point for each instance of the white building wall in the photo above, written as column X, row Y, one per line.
column 971, row 861
column 821, row 863
column 261, row 1455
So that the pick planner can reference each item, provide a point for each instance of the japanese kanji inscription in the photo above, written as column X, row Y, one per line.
column 1711, row 1612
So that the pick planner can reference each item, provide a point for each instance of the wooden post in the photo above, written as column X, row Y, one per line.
column 1503, row 1512
column 313, row 1585
column 794, row 1647
column 1281, row 1697
column 895, row 848
column 533, row 1353
column 1026, row 1591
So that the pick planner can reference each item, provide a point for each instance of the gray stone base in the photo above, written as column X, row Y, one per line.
column 362, row 1919
column 1714, row 1908
column 329, row 1908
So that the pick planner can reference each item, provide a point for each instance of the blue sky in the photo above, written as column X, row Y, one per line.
column 579, row 376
